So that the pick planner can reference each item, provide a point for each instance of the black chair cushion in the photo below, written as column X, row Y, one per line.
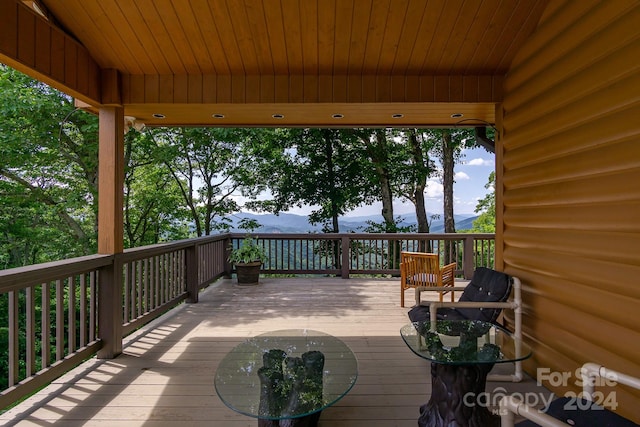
column 582, row 413
column 487, row 285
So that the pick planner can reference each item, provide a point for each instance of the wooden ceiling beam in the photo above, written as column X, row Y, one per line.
column 240, row 89
column 30, row 44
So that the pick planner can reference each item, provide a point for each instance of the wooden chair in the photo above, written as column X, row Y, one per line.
column 421, row 269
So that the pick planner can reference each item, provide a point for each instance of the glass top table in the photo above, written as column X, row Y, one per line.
column 463, row 342
column 286, row 374
column 461, row 352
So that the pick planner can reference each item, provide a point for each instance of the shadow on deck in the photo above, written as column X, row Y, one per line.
column 165, row 375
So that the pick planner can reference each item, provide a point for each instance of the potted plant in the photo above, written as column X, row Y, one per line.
column 248, row 259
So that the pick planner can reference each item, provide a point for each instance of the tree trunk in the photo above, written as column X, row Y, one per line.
column 382, row 169
column 447, row 179
column 420, row 183
column 447, row 166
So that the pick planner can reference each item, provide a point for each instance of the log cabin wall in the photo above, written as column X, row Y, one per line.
column 570, row 190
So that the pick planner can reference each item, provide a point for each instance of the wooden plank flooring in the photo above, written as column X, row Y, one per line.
column 165, row 375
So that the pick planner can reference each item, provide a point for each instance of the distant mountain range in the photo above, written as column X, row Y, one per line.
column 292, row 223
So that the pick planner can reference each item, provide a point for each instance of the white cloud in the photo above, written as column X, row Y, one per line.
column 434, row 189
column 459, row 176
column 479, row 162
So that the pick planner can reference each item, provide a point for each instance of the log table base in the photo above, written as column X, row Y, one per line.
column 308, row 421
column 448, row 405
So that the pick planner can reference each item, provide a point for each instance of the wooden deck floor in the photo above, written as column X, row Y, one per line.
column 165, row 375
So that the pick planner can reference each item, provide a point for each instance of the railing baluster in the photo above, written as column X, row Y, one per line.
column 93, row 303
column 156, row 279
column 30, row 332
column 145, row 281
column 127, row 293
column 83, row 310
column 14, row 342
column 71, row 315
column 59, row 319
column 45, row 326
column 153, row 285
column 139, row 285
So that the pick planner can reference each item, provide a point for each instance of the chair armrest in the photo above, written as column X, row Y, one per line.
column 591, row 371
column 440, row 288
column 471, row 304
column 511, row 406
column 448, row 274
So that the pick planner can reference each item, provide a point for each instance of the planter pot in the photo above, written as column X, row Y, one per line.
column 249, row 273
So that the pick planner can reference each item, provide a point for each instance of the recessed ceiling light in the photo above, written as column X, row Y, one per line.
column 397, row 116
column 278, row 116
column 218, row 116
column 456, row 115
column 338, row 116
column 158, row 116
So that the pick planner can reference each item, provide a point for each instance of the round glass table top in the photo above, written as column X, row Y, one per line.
column 463, row 342
column 286, row 374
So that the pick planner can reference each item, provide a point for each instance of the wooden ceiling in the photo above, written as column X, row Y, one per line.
column 375, row 58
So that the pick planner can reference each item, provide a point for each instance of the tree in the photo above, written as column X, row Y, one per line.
column 382, row 151
column 211, row 167
column 153, row 205
column 323, row 168
column 48, row 173
column 486, row 207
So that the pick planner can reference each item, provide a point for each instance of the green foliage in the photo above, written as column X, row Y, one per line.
column 211, row 167
column 48, row 174
column 248, row 251
column 150, row 216
column 322, row 168
column 486, row 221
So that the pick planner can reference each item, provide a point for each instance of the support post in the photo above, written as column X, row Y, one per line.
column 110, row 309
column 228, row 268
column 468, row 261
column 191, row 260
column 344, row 272
column 110, row 229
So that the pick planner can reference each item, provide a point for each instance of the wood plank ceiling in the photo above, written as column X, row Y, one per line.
column 304, row 59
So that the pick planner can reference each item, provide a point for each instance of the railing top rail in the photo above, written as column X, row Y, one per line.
column 378, row 236
column 133, row 254
column 22, row 277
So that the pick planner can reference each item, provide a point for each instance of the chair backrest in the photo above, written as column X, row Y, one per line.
column 421, row 268
column 486, row 285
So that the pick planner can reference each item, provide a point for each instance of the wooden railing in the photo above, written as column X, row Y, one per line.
column 64, row 312
column 350, row 254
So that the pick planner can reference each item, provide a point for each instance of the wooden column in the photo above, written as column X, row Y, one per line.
column 499, row 189
column 111, row 180
column 110, row 228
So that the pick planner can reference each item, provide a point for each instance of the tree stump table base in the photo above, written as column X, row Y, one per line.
column 455, row 390
column 308, row 421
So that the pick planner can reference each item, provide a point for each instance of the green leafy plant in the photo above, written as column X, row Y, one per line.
column 248, row 251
